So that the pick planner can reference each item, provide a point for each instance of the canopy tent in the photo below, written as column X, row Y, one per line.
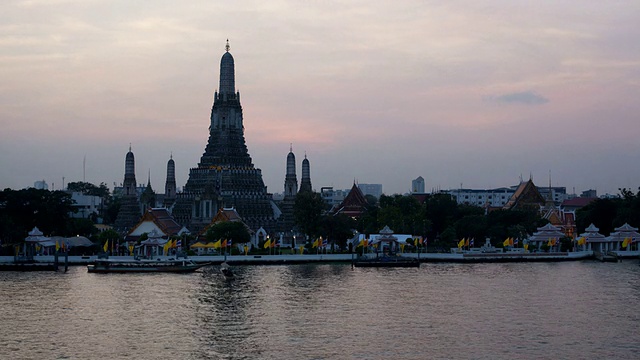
column 198, row 245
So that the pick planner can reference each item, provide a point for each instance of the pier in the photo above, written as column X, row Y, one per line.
column 475, row 257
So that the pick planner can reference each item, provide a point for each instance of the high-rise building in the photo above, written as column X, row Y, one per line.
column 417, row 185
column 225, row 176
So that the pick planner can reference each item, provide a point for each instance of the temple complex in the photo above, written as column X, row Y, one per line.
column 225, row 176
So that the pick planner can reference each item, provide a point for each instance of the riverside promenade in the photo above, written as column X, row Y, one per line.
column 469, row 257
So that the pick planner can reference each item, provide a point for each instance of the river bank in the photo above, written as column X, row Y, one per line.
column 347, row 258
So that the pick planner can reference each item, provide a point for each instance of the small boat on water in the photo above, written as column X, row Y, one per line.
column 144, row 266
column 226, row 271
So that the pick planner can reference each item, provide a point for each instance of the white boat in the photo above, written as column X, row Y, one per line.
column 144, row 266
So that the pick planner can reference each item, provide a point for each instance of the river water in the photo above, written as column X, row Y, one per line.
column 568, row 310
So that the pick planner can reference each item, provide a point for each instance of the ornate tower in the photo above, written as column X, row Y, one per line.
column 129, row 183
column 287, row 221
column 290, row 179
column 305, row 184
column 225, row 176
column 170, row 184
column 129, row 212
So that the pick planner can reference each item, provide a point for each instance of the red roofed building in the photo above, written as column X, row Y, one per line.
column 353, row 205
column 576, row 203
column 224, row 215
column 526, row 196
column 158, row 219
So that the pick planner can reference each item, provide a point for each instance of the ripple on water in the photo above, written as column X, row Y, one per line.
column 569, row 310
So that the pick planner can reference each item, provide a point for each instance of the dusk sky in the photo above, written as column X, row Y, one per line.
column 471, row 93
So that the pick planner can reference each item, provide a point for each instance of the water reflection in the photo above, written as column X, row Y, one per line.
column 483, row 311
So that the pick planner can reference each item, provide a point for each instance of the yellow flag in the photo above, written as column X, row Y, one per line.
column 402, row 248
column 267, row 244
column 460, row 243
column 505, row 242
column 106, row 246
column 217, row 244
column 315, row 243
column 130, row 249
column 246, row 250
column 361, row 243
column 301, row 249
column 526, row 247
column 625, row 243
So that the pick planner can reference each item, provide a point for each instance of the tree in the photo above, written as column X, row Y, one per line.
column 441, row 210
column 307, row 211
column 601, row 213
column 230, row 230
column 338, row 228
column 22, row 210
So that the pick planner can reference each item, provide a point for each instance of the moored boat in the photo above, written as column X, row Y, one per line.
column 144, row 266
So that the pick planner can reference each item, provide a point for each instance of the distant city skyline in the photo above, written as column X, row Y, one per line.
column 464, row 94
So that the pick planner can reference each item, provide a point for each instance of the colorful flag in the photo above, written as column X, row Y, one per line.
column 267, row 244
column 229, row 242
column 626, row 242
column 471, row 242
column 131, row 249
column 179, row 244
column 366, row 243
column 505, row 242
column 460, row 243
column 224, row 243
column 510, row 241
column 106, row 246
column 275, row 243
column 515, row 242
column 301, row 249
column 466, row 242
column 315, row 243
column 325, row 242
column 526, row 246
column 217, row 244
column 361, row 243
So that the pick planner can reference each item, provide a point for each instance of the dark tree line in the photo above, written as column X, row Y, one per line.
column 439, row 219
column 608, row 214
column 22, row 210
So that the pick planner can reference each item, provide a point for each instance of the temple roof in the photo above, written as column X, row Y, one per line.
column 354, row 204
column 526, row 194
column 158, row 219
column 577, row 202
